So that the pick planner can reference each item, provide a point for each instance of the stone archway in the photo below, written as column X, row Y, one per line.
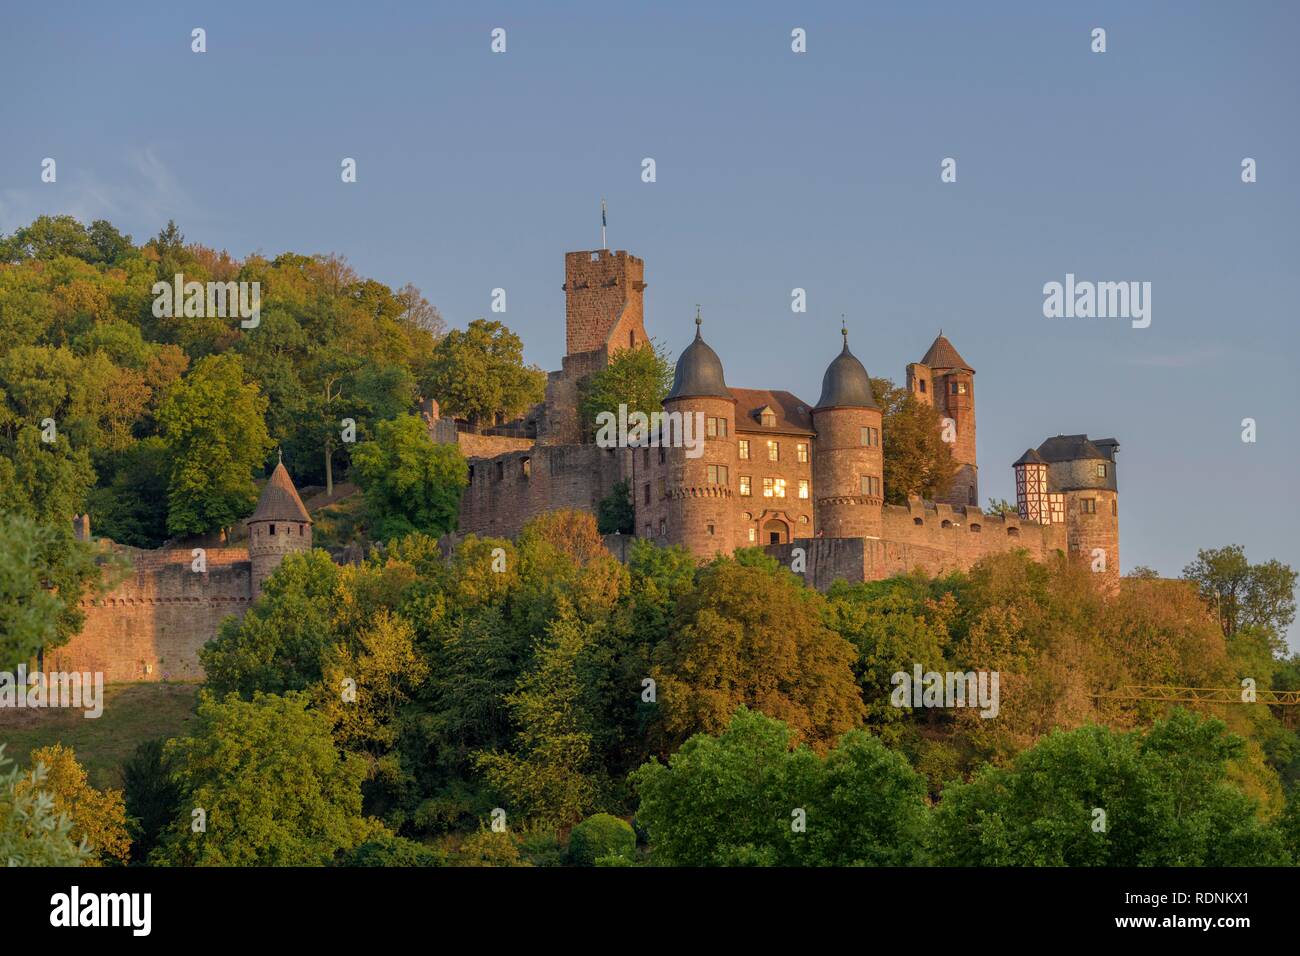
column 775, row 531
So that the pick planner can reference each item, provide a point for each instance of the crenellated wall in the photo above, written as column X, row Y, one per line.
column 946, row 539
column 152, row 625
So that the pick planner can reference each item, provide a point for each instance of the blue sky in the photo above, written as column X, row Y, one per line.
column 775, row 171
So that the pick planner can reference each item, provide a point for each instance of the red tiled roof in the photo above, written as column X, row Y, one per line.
column 793, row 414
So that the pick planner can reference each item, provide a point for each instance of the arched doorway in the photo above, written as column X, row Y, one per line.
column 776, row 531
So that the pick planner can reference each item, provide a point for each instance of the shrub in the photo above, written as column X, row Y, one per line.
column 601, row 836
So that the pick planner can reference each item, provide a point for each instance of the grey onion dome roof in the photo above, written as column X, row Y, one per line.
column 846, row 382
column 699, row 371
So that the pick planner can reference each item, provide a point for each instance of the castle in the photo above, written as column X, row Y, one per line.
column 777, row 472
column 805, row 482
column 153, row 624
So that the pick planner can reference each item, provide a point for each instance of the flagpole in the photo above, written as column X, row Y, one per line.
column 602, row 224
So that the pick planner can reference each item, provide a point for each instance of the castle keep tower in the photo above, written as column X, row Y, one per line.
column 280, row 525
column 945, row 380
column 848, row 465
column 603, row 313
column 603, row 306
column 684, row 500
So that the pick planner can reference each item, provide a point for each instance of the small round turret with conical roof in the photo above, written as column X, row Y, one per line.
column 848, row 466
column 697, row 503
column 280, row 525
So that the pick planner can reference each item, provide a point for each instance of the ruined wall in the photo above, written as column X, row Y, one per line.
column 505, row 492
column 487, row 446
column 153, row 624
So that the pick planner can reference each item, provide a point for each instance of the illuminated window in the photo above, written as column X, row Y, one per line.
column 744, row 449
column 803, row 487
column 1101, row 471
column 801, row 451
column 744, row 486
column 773, row 487
column 753, row 534
column 774, row 451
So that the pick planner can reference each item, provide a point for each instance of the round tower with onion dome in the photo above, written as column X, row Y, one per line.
column 848, row 465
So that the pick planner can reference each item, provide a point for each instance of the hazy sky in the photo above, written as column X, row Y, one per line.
column 775, row 170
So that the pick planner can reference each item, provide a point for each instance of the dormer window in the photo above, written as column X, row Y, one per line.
column 767, row 417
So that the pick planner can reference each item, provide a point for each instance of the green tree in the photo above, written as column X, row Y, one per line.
column 479, row 374
column 1094, row 797
column 98, row 816
column 551, row 775
column 281, row 643
column 274, row 788
column 638, row 378
column 32, row 831
column 152, row 796
column 410, row 483
column 745, row 798
column 616, row 514
column 43, row 574
column 213, row 425
column 1244, row 594
column 917, row 459
column 753, row 636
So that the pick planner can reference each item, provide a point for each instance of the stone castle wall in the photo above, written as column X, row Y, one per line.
column 946, row 540
column 507, row 491
column 152, row 625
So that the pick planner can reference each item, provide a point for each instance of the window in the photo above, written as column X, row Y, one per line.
column 663, row 527
column 272, row 529
column 1013, row 532
column 525, row 466
column 922, row 383
column 976, row 528
column 801, row 451
column 717, row 474
column 649, row 532
column 870, row 486
column 1114, row 507
column 945, row 523
column 710, row 530
column 767, row 418
column 1101, row 471
column 870, row 436
column 753, row 534
column 715, row 427
column 803, row 487
column 471, row 474
column 779, row 488
column 774, row 451
column 663, row 488
column 744, row 486
column 773, row 487
column 917, row 521
column 647, row 492
column 744, row 449
column 1088, row 505
column 501, row 470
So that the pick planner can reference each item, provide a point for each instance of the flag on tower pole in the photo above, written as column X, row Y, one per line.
column 602, row 224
